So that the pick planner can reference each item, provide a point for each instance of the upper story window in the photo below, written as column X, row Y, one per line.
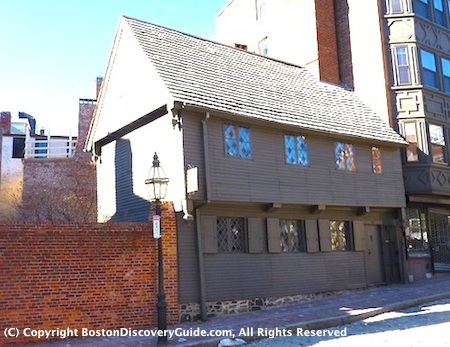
column 237, row 141
column 422, row 8
column 18, row 147
column 437, row 140
column 263, row 47
column 292, row 236
column 396, row 6
column 231, row 235
column 439, row 13
column 446, row 74
column 411, row 136
column 344, row 156
column 296, row 150
column 436, row 11
column 376, row 160
column 429, row 70
column 341, row 236
column 403, row 74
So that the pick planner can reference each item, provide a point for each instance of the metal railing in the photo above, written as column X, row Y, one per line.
column 50, row 148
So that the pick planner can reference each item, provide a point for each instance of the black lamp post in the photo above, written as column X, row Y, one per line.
column 157, row 187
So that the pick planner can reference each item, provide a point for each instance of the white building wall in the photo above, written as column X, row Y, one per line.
column 290, row 28
column 367, row 55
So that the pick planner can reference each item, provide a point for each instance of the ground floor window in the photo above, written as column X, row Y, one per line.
column 231, row 235
column 292, row 236
column 416, row 232
column 341, row 236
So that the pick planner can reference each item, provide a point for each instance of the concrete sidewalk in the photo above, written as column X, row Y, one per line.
column 331, row 311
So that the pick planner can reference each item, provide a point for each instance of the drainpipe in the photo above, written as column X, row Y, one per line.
column 201, row 263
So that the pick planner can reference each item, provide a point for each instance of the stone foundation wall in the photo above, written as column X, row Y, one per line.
column 191, row 312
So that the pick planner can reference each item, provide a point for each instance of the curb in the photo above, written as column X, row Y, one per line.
column 330, row 322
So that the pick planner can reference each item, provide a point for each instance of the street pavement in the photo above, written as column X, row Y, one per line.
column 316, row 314
column 423, row 325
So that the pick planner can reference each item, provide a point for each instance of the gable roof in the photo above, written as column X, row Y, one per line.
column 207, row 74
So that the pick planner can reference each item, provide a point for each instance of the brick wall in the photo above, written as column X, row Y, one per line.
column 62, row 189
column 327, row 41
column 343, row 42
column 97, row 276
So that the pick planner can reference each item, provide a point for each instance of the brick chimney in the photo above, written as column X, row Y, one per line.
column 327, row 41
column 5, row 122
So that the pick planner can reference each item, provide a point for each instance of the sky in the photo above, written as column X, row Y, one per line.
column 52, row 51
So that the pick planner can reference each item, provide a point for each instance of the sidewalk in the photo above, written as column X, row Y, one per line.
column 314, row 314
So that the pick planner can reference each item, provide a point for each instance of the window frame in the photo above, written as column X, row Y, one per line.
column 436, row 144
column 413, row 146
column 424, row 7
column 445, row 66
column 437, row 13
column 298, row 149
column 349, row 238
column 428, row 71
column 236, row 138
column 229, row 237
column 301, row 246
column 418, row 217
column 377, row 165
column 346, row 161
column 402, row 66
column 396, row 6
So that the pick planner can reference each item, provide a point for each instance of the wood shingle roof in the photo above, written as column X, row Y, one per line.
column 207, row 74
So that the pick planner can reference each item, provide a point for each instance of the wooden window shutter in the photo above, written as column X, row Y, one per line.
column 312, row 236
column 254, row 235
column 325, row 235
column 209, row 234
column 358, row 235
column 273, row 235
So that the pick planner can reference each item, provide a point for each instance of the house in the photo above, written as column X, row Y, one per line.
column 292, row 183
column 395, row 54
column 46, row 177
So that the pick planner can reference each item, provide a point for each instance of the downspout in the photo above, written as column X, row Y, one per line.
column 201, row 264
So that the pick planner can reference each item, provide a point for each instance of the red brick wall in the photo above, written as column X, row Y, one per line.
column 327, row 41
column 97, row 276
column 343, row 42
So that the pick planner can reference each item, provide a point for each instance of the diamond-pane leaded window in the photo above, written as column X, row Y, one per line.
column 231, row 235
column 376, row 160
column 341, row 236
column 292, row 236
column 296, row 150
column 237, row 141
column 344, row 156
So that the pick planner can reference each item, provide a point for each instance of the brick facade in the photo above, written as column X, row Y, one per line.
column 62, row 189
column 327, row 41
column 96, row 276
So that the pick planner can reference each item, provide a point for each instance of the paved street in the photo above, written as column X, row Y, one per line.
column 424, row 325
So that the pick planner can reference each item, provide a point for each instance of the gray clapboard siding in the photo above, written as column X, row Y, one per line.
column 248, row 276
column 267, row 178
column 188, row 276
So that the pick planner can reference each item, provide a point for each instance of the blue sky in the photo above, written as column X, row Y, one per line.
column 53, row 50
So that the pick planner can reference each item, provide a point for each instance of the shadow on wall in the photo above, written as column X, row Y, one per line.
column 129, row 207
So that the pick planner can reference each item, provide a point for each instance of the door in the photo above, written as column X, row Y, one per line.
column 373, row 256
column 440, row 240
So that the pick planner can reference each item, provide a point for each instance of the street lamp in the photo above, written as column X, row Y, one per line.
column 157, row 187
